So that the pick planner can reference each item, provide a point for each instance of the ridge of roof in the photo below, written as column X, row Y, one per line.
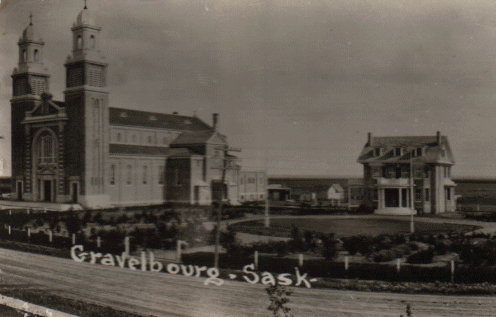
column 131, row 117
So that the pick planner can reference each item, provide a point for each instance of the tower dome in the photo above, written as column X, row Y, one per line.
column 30, row 34
column 85, row 17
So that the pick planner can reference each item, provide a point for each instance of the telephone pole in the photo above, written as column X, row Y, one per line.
column 220, row 201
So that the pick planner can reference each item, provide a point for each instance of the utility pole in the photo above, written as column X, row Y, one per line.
column 412, row 197
column 220, row 201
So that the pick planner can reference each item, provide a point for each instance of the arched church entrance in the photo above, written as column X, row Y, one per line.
column 45, row 165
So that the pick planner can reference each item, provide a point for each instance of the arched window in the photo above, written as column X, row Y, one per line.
column 79, row 42
column 92, row 41
column 24, row 56
column 36, row 55
column 46, row 149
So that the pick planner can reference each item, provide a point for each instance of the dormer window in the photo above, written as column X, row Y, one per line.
column 377, row 151
column 123, row 114
column 398, row 151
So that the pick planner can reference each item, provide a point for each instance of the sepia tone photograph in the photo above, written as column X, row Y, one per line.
column 229, row 158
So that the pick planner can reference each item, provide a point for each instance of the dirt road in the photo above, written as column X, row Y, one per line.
column 161, row 294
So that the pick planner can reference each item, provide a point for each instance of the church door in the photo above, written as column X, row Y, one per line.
column 47, row 190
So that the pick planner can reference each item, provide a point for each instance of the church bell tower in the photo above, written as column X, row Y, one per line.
column 86, row 99
column 29, row 80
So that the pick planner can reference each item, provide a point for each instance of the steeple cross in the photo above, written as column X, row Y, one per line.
column 31, row 18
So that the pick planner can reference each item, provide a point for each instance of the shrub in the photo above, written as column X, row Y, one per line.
column 296, row 244
column 421, row 257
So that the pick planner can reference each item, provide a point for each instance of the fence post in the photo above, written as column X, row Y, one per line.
column 98, row 242
column 10, row 230
column 126, row 246
column 256, row 260
column 398, row 265
column 179, row 243
column 50, row 236
column 452, row 271
column 44, row 210
column 73, row 239
column 29, row 232
column 346, row 263
column 300, row 259
column 28, row 211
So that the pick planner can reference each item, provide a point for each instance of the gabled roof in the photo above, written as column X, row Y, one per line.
column 148, row 150
column 197, row 138
column 338, row 188
column 193, row 137
column 119, row 116
column 435, row 149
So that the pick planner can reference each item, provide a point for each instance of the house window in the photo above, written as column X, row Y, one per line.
column 376, row 194
column 145, row 174
column 398, row 151
column 405, row 172
column 448, row 193
column 418, row 151
column 427, row 194
column 418, row 194
column 46, row 149
column 177, row 177
column 377, row 151
column 36, row 55
column 129, row 175
column 426, row 172
column 112, row 174
column 161, row 175
column 118, row 137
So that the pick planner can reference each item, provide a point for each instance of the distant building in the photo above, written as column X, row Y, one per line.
column 335, row 194
column 278, row 192
column 252, row 186
column 390, row 163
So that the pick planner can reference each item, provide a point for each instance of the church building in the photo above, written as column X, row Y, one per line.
column 83, row 151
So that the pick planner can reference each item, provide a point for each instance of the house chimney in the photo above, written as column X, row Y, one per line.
column 369, row 139
column 215, row 117
column 438, row 137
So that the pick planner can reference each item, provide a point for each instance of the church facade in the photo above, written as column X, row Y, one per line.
column 83, row 151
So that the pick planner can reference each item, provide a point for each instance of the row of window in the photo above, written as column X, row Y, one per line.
column 150, row 140
column 36, row 56
column 400, row 151
column 144, row 174
column 251, row 197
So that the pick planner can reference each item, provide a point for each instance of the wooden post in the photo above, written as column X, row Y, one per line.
column 126, row 246
column 29, row 232
column 98, row 242
column 398, row 265
column 300, row 260
column 452, row 271
column 28, row 211
column 346, row 263
column 73, row 239
column 50, row 236
column 10, row 230
column 256, row 260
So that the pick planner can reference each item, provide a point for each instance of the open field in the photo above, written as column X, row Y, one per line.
column 348, row 226
column 160, row 294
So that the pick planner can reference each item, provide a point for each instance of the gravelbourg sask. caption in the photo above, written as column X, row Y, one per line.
column 145, row 263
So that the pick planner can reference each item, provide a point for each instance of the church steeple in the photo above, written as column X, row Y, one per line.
column 30, row 76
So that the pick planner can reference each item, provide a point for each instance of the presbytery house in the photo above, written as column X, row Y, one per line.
column 83, row 151
column 394, row 166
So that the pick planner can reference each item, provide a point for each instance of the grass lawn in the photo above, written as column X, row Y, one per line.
column 346, row 227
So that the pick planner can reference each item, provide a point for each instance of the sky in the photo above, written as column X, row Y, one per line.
column 297, row 84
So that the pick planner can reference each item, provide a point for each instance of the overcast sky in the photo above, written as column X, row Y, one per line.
column 297, row 84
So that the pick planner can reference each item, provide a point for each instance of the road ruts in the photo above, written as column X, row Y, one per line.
column 161, row 294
